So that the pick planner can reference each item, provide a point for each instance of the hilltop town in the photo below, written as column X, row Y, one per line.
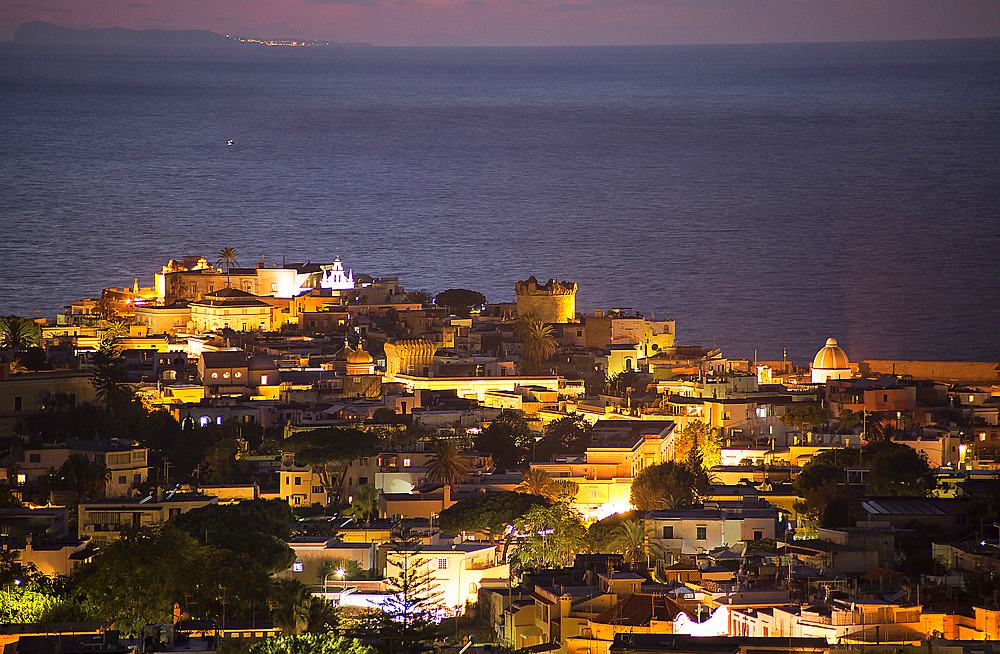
column 241, row 456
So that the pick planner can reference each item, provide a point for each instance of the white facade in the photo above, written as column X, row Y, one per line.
column 335, row 279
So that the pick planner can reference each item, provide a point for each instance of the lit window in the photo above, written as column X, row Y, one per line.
column 215, row 375
column 298, row 566
column 203, row 421
column 263, row 380
column 225, row 375
column 237, row 374
column 406, row 463
column 274, row 288
column 218, row 420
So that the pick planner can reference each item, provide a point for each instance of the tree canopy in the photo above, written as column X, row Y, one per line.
column 897, row 469
column 255, row 528
column 460, row 301
column 330, row 451
column 667, row 485
column 506, row 438
column 488, row 513
column 548, row 536
column 138, row 578
column 802, row 418
column 567, row 435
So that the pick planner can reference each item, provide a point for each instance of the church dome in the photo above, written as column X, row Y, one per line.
column 360, row 357
column 831, row 357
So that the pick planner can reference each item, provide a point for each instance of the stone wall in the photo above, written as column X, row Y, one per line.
column 959, row 372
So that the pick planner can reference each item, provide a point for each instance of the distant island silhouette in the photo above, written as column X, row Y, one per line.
column 43, row 34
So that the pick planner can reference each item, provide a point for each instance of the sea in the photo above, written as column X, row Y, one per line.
column 766, row 197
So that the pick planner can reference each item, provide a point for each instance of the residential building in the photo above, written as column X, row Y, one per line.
column 457, row 571
column 104, row 521
column 698, row 531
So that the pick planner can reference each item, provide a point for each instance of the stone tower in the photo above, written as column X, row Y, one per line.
column 551, row 302
column 409, row 356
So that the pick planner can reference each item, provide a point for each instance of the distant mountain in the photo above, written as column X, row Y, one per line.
column 40, row 33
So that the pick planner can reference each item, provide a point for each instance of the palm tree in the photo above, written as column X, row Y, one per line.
column 227, row 256
column 17, row 333
column 104, row 308
column 632, row 536
column 447, row 464
column 536, row 482
column 173, row 289
column 539, row 343
column 364, row 503
column 290, row 602
column 323, row 616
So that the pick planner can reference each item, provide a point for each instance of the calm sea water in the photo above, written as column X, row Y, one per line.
column 766, row 197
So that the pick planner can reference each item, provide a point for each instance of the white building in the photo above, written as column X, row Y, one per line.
column 830, row 362
column 335, row 279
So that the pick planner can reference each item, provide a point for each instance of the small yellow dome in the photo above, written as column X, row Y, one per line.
column 360, row 357
column 831, row 357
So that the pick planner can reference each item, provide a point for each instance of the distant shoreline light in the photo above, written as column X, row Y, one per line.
column 290, row 43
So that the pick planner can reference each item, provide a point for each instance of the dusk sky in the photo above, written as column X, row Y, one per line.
column 530, row 22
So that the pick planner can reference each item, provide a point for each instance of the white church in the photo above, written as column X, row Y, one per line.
column 335, row 279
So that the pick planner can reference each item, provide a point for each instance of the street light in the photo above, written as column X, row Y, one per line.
column 340, row 575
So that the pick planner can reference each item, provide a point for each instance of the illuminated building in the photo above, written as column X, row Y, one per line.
column 830, row 362
column 335, row 279
column 230, row 308
column 604, row 472
column 456, row 571
column 552, row 302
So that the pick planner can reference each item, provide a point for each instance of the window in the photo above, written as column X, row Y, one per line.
column 442, row 564
column 406, row 463
column 274, row 287
column 263, row 380
column 593, row 493
column 237, row 374
column 702, row 532
column 225, row 375
column 215, row 375
column 35, row 458
column 298, row 481
column 298, row 566
column 122, row 479
column 18, row 401
column 362, row 481
column 668, row 531
column 137, row 478
column 758, row 534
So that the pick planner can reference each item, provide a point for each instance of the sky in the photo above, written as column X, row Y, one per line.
column 529, row 22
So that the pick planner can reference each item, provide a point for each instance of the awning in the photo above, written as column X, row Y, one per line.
column 543, row 647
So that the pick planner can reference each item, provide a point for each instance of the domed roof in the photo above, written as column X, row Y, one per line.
column 831, row 357
column 359, row 356
column 261, row 362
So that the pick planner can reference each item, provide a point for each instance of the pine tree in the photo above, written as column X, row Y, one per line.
column 411, row 609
